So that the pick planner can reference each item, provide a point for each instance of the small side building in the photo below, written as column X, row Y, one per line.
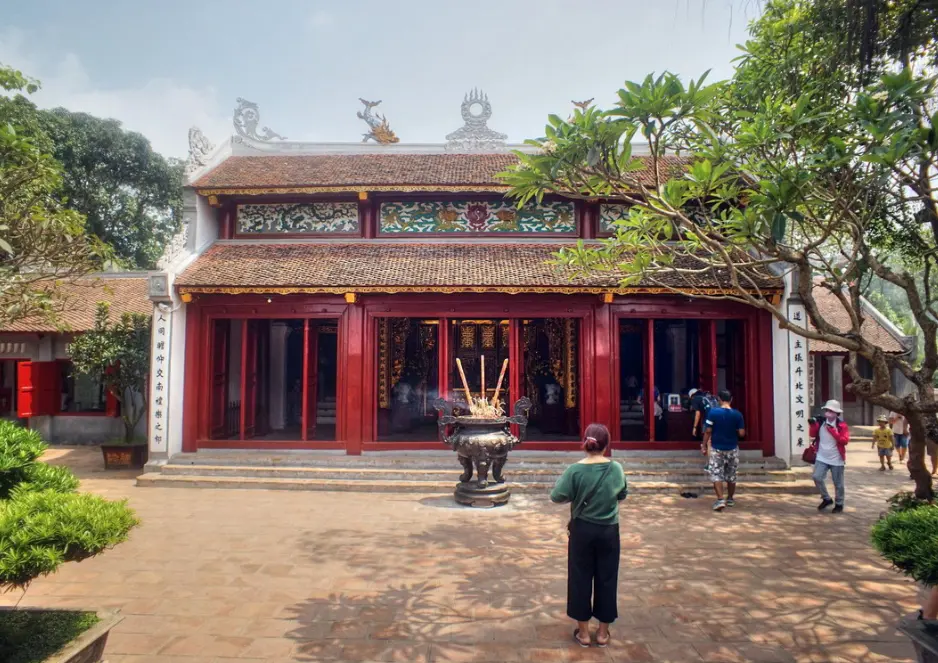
column 828, row 377
column 38, row 387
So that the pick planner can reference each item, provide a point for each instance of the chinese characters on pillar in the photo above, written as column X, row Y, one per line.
column 159, row 380
column 799, row 378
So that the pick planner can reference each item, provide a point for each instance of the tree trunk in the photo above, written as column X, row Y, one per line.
column 923, row 429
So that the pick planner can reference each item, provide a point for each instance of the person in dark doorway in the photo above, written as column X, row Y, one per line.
column 831, row 435
column 631, row 389
column 701, row 401
column 594, row 487
column 724, row 428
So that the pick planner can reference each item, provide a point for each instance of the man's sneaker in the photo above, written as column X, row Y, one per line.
column 824, row 504
column 838, row 508
column 719, row 505
column 730, row 502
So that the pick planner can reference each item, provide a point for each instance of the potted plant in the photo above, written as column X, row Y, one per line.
column 43, row 523
column 907, row 536
column 119, row 353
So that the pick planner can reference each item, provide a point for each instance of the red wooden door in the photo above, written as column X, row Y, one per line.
column 38, row 383
column 312, row 380
column 219, row 405
column 249, row 384
column 736, row 362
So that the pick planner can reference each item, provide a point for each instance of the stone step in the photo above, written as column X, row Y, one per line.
column 444, row 459
column 513, row 473
column 155, row 479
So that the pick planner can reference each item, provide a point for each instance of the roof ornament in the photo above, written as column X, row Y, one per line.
column 199, row 149
column 380, row 129
column 246, row 119
column 475, row 136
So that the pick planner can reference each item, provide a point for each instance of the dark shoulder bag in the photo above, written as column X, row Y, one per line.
column 576, row 513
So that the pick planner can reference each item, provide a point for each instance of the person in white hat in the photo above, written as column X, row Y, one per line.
column 831, row 435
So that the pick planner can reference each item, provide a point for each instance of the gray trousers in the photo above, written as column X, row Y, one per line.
column 837, row 474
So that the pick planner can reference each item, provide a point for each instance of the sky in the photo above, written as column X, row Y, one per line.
column 161, row 67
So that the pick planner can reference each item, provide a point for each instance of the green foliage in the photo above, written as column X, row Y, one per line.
column 41, row 242
column 41, row 530
column 909, row 540
column 33, row 636
column 120, row 352
column 43, row 522
column 129, row 196
column 20, row 448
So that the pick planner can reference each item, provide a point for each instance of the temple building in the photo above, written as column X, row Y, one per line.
column 38, row 384
column 319, row 296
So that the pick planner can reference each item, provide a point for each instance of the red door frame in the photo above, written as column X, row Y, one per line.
column 495, row 307
column 356, row 424
column 758, row 336
column 200, row 316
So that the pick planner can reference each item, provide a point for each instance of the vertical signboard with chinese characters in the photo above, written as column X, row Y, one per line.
column 798, row 361
column 159, row 380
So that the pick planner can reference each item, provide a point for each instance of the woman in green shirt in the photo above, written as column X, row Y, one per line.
column 594, row 487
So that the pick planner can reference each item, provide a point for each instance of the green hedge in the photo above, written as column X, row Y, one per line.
column 909, row 540
column 43, row 521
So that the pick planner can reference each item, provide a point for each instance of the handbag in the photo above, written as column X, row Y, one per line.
column 810, row 454
column 576, row 513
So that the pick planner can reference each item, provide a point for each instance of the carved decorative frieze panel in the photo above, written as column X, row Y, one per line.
column 477, row 217
column 299, row 218
column 609, row 214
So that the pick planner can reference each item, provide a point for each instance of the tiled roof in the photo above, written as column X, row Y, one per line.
column 395, row 267
column 125, row 295
column 375, row 171
column 833, row 311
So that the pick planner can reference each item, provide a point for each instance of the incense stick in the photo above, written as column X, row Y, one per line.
column 498, row 387
column 465, row 384
column 482, row 378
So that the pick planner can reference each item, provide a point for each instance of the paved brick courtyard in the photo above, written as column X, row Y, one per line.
column 282, row 576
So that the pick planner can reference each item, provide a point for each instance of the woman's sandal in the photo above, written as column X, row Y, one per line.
column 576, row 638
column 601, row 643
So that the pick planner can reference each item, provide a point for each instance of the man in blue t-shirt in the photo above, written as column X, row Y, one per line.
column 724, row 428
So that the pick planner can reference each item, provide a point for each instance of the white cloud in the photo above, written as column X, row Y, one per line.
column 320, row 20
column 162, row 109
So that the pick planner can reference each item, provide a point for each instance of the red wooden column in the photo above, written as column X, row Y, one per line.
column 766, row 402
column 650, row 377
column 244, row 381
column 356, row 346
column 196, row 383
column 605, row 408
column 442, row 360
column 514, row 366
column 304, row 402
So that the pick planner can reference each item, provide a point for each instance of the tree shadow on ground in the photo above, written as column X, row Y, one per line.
column 752, row 584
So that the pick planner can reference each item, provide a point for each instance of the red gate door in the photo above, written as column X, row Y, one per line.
column 249, row 386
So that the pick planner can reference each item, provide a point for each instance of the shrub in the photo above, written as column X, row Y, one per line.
column 909, row 540
column 43, row 522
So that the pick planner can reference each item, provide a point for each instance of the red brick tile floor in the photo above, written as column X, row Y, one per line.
column 244, row 575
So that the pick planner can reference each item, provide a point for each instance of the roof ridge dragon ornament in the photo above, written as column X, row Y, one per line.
column 246, row 118
column 475, row 135
column 199, row 149
column 380, row 129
